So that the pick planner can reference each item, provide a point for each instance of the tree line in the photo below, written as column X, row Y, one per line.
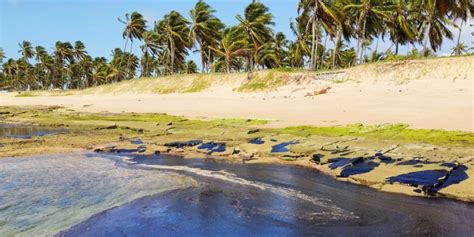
column 420, row 25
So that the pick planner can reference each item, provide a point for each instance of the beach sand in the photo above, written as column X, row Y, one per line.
column 438, row 94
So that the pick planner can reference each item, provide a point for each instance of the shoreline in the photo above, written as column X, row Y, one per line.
column 109, row 131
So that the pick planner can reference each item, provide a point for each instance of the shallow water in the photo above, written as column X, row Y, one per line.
column 41, row 196
column 26, row 131
column 230, row 200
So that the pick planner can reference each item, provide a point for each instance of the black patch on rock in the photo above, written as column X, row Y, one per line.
column 179, row 144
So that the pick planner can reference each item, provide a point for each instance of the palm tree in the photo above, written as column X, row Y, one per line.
column 10, row 70
column 118, row 65
column 401, row 25
column 460, row 49
column 256, row 23
column 2, row 55
column 150, row 48
column 461, row 9
column 206, row 30
column 62, row 53
column 369, row 16
column 281, row 49
column 319, row 15
column 26, row 50
column 191, row 67
column 433, row 24
column 135, row 26
column 299, row 49
column 232, row 45
column 174, row 33
column 79, row 50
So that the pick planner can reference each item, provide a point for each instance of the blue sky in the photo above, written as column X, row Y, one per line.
column 43, row 22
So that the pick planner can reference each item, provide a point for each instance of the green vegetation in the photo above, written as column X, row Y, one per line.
column 393, row 132
column 235, row 129
column 270, row 81
column 250, row 45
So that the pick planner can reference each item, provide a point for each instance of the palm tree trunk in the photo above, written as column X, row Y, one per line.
column 458, row 52
column 324, row 50
column 209, row 60
column 336, row 47
column 124, row 48
column 362, row 41
column 227, row 64
column 172, row 59
column 145, row 68
column 128, row 61
column 313, row 40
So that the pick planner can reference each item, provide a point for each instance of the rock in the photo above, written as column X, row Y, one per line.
column 282, row 147
column 108, row 127
column 108, row 148
column 316, row 158
column 212, row 147
column 179, row 144
column 136, row 141
column 256, row 141
column 360, row 168
column 252, row 131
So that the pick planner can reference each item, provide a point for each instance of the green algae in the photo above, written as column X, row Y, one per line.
column 392, row 132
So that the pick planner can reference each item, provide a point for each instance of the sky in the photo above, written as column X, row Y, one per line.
column 94, row 22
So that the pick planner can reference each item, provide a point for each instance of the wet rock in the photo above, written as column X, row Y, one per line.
column 235, row 151
column 141, row 149
column 457, row 175
column 282, row 147
column 342, row 162
column 360, row 168
column 415, row 162
column 136, row 141
column 257, row 141
column 212, row 147
column 340, row 150
column 252, row 131
column 449, row 164
column 108, row 127
column 179, row 144
column 425, row 180
column 385, row 159
column 107, row 148
column 4, row 112
column 316, row 158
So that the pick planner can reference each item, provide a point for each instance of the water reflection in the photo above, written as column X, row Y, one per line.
column 26, row 131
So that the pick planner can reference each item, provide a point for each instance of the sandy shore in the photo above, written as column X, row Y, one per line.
column 432, row 94
column 436, row 103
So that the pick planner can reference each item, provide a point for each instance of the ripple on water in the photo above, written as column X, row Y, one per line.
column 69, row 189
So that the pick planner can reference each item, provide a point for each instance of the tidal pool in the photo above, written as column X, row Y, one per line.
column 26, row 131
column 87, row 194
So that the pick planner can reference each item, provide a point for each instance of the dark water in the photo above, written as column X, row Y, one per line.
column 26, row 131
column 271, row 200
